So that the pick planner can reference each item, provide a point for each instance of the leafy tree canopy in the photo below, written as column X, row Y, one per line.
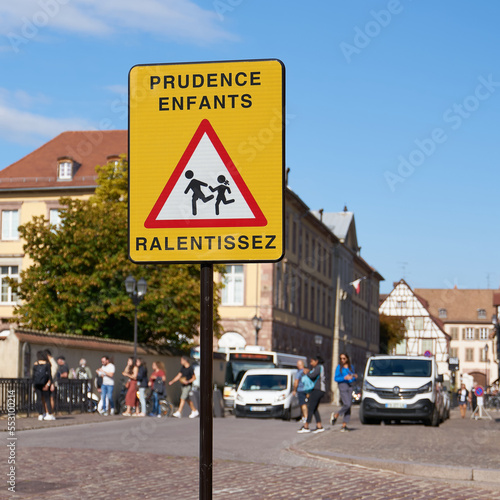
column 392, row 332
column 76, row 282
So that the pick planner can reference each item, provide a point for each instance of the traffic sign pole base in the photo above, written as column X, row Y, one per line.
column 481, row 413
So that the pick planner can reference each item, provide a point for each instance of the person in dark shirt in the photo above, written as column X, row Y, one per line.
column 186, row 377
column 63, row 369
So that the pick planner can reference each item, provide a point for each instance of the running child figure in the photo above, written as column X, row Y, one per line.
column 221, row 193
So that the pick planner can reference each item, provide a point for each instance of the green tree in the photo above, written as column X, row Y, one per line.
column 392, row 332
column 76, row 282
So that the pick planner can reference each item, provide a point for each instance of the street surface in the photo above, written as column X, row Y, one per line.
column 151, row 458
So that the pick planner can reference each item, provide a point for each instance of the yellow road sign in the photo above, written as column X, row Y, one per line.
column 206, row 162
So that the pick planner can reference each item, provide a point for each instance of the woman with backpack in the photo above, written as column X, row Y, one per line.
column 344, row 376
column 157, row 384
column 42, row 380
column 316, row 374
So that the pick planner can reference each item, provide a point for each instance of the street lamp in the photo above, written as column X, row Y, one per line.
column 136, row 291
column 485, row 366
column 257, row 324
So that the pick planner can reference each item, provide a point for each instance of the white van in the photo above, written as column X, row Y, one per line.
column 267, row 392
column 401, row 388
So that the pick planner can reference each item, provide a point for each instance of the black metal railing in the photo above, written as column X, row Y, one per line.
column 18, row 394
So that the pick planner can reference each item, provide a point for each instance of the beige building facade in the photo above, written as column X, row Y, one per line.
column 467, row 316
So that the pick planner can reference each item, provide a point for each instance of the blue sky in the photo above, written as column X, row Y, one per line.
column 392, row 106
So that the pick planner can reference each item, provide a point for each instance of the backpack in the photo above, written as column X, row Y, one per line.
column 308, row 383
column 159, row 385
column 41, row 374
column 81, row 373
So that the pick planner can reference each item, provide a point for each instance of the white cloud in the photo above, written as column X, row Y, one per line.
column 172, row 19
column 23, row 127
column 117, row 89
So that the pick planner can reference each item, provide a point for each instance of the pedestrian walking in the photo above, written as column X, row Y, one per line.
column 42, row 380
column 463, row 398
column 316, row 373
column 298, row 389
column 130, row 372
column 344, row 376
column 186, row 377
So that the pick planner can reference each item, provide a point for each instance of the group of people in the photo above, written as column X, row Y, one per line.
column 138, row 384
column 310, row 387
column 140, row 387
column 47, row 373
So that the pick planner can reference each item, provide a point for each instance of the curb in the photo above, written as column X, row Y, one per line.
column 430, row 471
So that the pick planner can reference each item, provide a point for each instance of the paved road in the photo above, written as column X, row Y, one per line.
column 254, row 459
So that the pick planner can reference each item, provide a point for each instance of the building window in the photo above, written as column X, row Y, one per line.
column 419, row 323
column 8, row 295
column 443, row 313
column 401, row 304
column 484, row 333
column 55, row 217
column 232, row 293
column 481, row 314
column 454, row 352
column 10, row 224
column 483, row 354
column 401, row 347
column 427, row 345
column 454, row 334
column 65, row 170
column 469, row 354
column 469, row 333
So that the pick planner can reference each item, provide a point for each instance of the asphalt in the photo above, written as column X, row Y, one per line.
column 459, row 449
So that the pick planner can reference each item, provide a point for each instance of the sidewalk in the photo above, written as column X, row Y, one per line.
column 462, row 449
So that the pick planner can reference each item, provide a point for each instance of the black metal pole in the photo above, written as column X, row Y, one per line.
column 206, row 376
column 135, row 333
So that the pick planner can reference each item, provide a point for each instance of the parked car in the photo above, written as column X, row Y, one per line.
column 401, row 388
column 267, row 392
column 446, row 405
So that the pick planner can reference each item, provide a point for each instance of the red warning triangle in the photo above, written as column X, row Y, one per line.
column 205, row 189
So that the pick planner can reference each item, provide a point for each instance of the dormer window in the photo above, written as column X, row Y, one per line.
column 443, row 313
column 481, row 314
column 113, row 159
column 65, row 169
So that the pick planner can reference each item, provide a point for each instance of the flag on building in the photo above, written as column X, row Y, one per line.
column 357, row 284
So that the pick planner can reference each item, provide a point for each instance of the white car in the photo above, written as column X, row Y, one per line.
column 267, row 392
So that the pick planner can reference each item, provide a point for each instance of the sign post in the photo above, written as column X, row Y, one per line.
column 206, row 181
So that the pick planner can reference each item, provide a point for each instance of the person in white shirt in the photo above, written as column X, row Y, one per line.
column 107, row 372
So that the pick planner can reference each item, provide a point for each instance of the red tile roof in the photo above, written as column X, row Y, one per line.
column 461, row 305
column 88, row 149
column 83, row 342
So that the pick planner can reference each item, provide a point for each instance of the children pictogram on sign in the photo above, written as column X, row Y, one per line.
column 221, row 193
column 207, row 166
column 195, row 186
